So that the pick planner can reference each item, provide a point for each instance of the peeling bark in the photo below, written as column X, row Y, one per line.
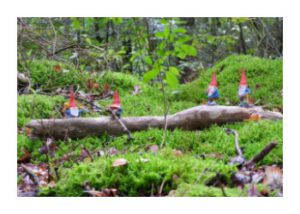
column 191, row 119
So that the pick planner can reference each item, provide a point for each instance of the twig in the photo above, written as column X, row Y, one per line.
column 161, row 187
column 54, row 40
column 31, row 174
column 236, row 141
column 88, row 153
column 90, row 103
column 203, row 173
column 223, row 190
column 121, row 123
column 152, row 187
column 64, row 48
column 261, row 155
column 48, row 143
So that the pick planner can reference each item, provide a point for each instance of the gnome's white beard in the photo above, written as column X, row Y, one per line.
column 242, row 90
column 211, row 89
column 74, row 111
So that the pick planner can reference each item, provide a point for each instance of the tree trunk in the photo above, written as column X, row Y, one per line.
column 242, row 40
column 97, row 29
column 191, row 119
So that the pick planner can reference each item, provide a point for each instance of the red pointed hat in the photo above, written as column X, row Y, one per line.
column 213, row 81
column 72, row 99
column 243, row 78
column 116, row 102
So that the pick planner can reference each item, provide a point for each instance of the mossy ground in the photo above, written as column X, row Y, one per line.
column 264, row 78
column 210, row 149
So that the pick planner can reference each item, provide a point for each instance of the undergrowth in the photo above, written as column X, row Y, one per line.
column 210, row 149
column 138, row 177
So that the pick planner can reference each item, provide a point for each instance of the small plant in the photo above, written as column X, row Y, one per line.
column 173, row 43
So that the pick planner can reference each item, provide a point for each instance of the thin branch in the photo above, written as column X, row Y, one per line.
column 31, row 174
column 236, row 141
column 88, row 153
column 261, row 155
column 161, row 187
column 121, row 123
column 55, row 38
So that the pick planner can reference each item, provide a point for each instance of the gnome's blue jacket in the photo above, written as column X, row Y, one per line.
column 212, row 92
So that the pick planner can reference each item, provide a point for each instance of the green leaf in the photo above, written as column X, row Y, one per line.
column 192, row 51
column 164, row 21
column 174, row 70
column 159, row 34
column 150, row 75
column 76, row 23
column 238, row 20
column 180, row 53
column 121, row 52
column 166, row 32
column 180, row 30
column 172, row 78
column 117, row 20
column 148, row 60
column 184, row 39
column 189, row 50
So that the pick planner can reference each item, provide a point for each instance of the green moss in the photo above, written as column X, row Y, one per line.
column 43, row 75
column 198, row 190
column 214, row 142
column 32, row 146
column 264, row 77
column 121, row 81
column 138, row 178
column 143, row 179
column 147, row 103
column 38, row 106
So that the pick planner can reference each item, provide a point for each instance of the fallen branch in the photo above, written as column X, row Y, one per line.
column 115, row 117
column 31, row 174
column 236, row 141
column 191, row 119
column 260, row 155
column 88, row 153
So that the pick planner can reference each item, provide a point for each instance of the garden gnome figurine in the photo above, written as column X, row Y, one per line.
column 116, row 106
column 70, row 109
column 243, row 91
column 212, row 91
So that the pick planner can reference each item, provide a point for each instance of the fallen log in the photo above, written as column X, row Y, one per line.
column 195, row 118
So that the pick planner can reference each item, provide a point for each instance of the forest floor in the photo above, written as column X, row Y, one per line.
column 188, row 163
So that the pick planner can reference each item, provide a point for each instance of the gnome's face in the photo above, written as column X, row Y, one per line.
column 211, row 90
column 242, row 90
